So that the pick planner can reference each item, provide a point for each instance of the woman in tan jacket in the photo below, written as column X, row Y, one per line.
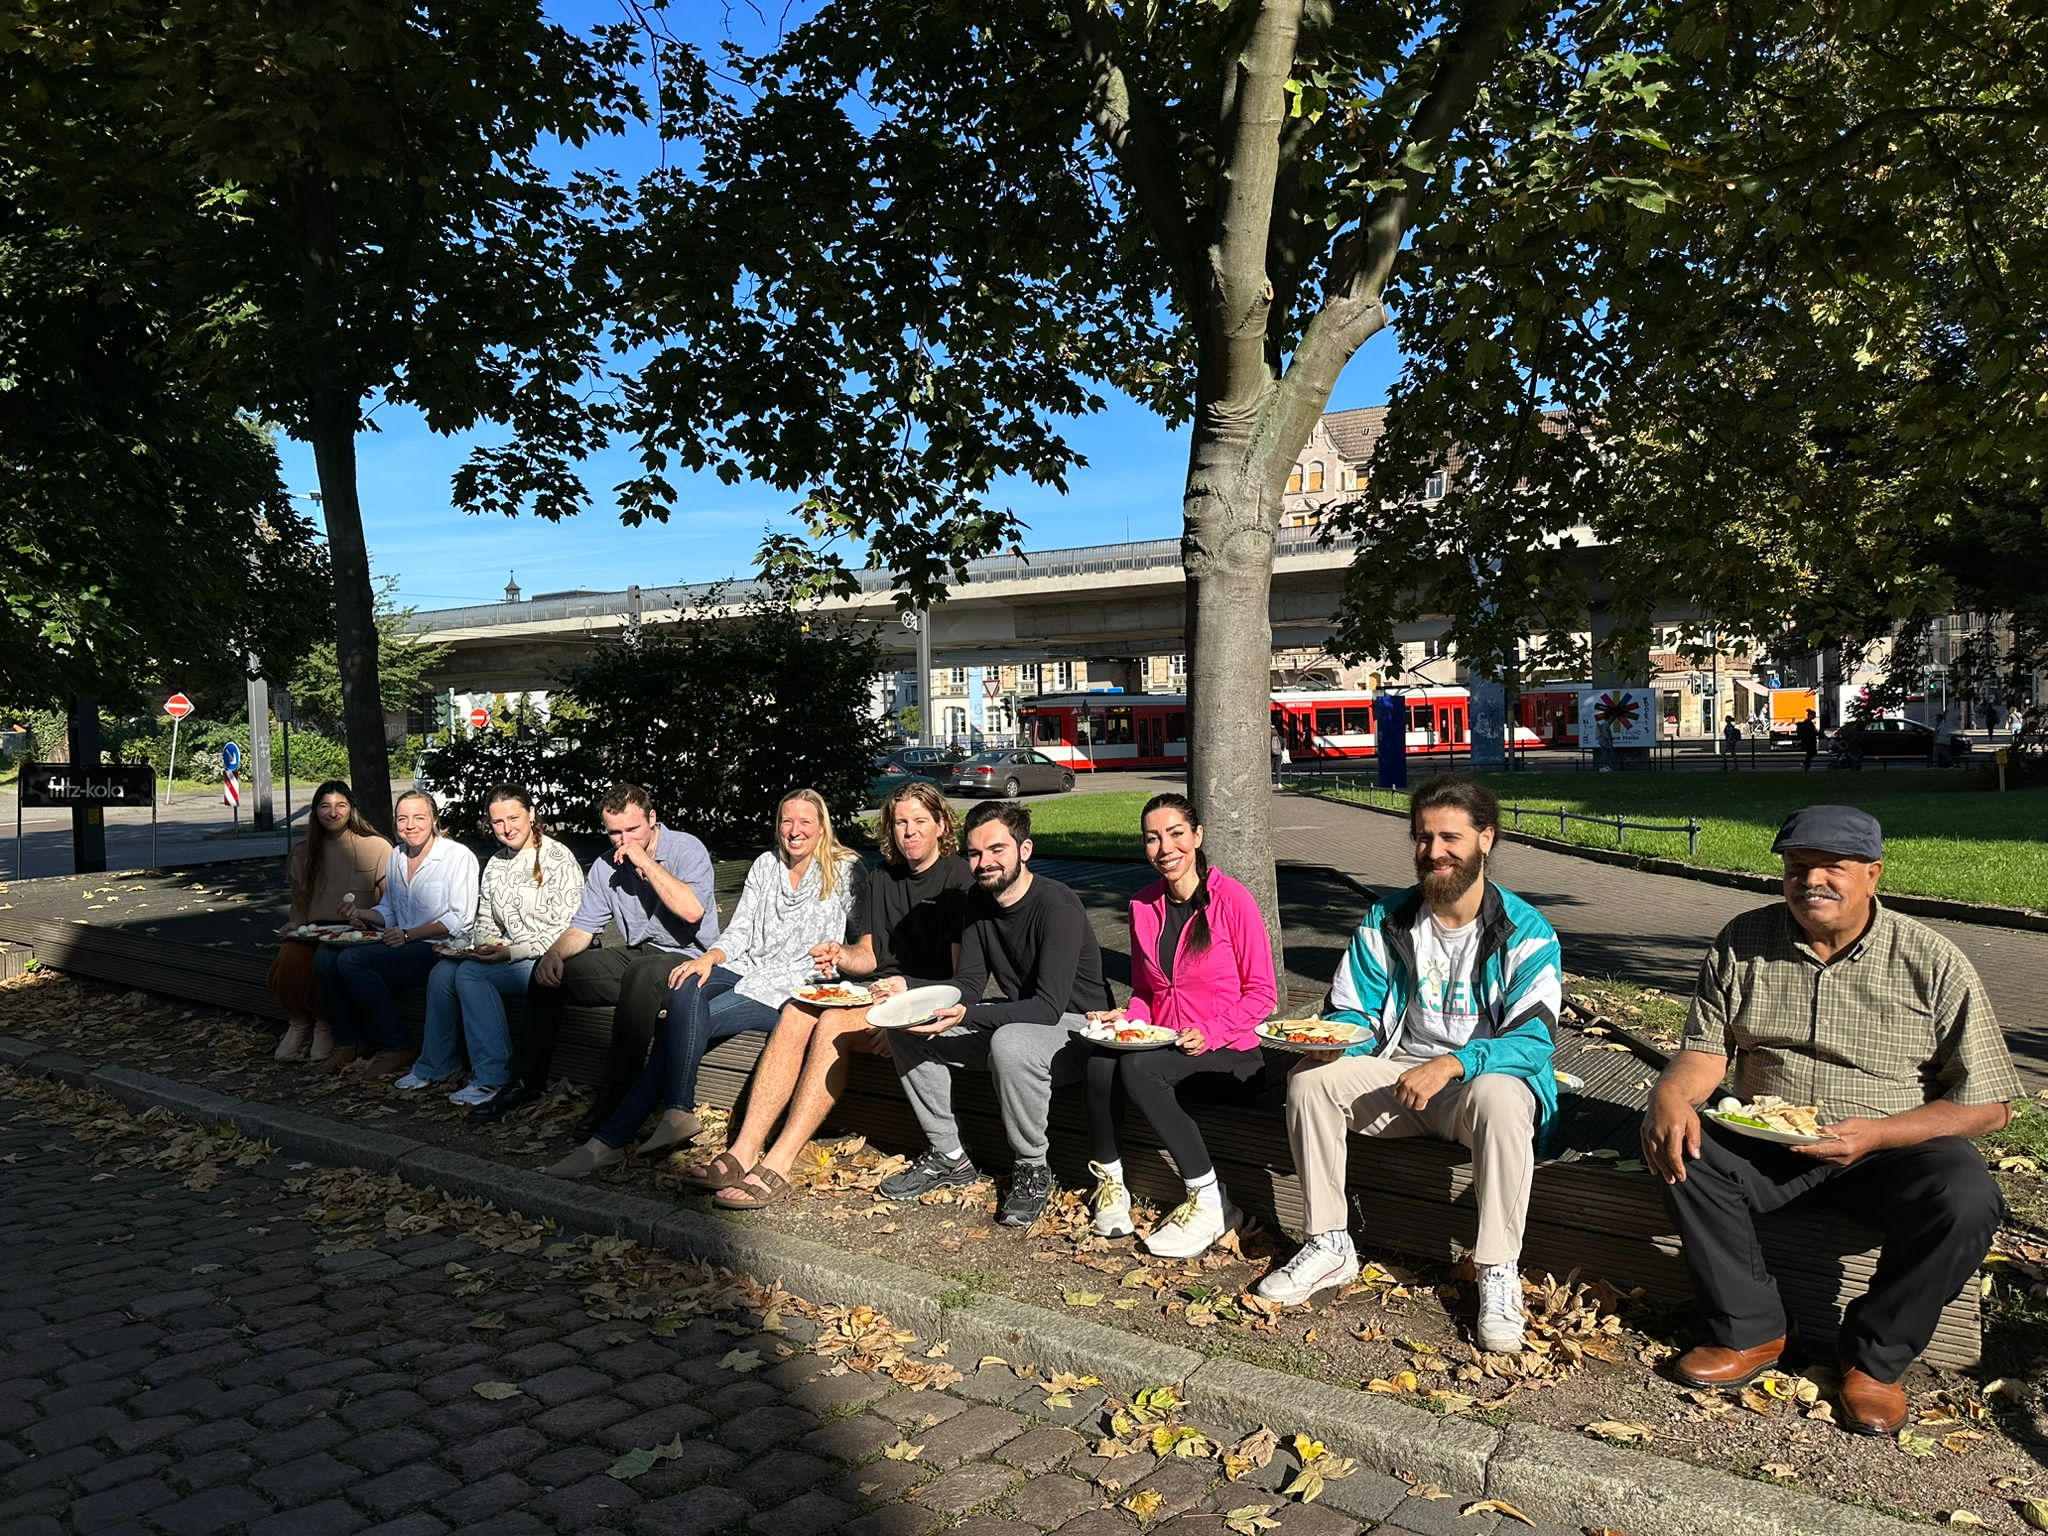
column 342, row 857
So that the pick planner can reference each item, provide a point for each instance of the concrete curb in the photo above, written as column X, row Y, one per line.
column 1570, row 1479
column 2022, row 918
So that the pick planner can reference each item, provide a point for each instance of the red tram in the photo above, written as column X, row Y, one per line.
column 1088, row 731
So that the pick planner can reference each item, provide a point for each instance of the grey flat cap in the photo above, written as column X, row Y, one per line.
column 1833, row 829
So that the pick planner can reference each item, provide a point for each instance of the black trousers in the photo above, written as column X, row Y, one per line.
column 1153, row 1081
column 634, row 981
column 1935, row 1203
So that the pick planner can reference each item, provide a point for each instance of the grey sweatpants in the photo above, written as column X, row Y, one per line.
column 1027, row 1059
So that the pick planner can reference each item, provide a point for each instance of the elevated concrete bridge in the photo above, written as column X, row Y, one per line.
column 1107, row 600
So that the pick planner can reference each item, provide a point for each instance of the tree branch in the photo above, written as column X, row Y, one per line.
column 1134, row 130
column 1846, row 144
column 1365, row 258
column 1240, row 293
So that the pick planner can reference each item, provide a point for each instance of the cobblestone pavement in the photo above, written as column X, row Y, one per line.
column 185, row 1349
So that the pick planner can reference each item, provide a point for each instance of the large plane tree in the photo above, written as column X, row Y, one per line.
column 910, row 241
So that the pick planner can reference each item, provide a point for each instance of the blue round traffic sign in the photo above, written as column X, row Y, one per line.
column 230, row 756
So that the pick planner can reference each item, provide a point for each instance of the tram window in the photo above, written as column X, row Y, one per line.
column 1418, row 717
column 1457, row 725
column 1329, row 722
column 1116, row 728
column 1046, row 728
column 1177, row 726
column 1358, row 719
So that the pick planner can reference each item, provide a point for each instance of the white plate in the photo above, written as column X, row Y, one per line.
column 913, row 1007
column 1760, row 1133
column 849, row 995
column 1352, row 1033
column 1104, row 1035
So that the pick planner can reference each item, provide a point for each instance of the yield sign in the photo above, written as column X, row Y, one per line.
column 177, row 706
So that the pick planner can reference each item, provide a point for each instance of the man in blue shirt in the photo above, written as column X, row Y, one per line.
column 656, row 886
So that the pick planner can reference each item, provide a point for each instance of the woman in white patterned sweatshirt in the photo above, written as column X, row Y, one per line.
column 531, row 887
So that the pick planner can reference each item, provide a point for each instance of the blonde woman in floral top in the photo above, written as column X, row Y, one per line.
column 531, row 887
column 798, row 895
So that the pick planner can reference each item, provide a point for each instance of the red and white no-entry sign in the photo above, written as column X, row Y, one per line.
column 479, row 718
column 177, row 706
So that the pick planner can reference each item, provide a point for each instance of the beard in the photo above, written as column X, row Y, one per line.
column 1440, row 887
column 998, row 880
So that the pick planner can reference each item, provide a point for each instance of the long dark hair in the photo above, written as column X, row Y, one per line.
column 1197, row 935
column 318, row 837
column 519, row 797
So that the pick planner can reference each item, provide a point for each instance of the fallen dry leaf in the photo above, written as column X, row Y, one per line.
column 1496, row 1507
column 1625, row 1430
column 1251, row 1519
column 903, row 1450
column 495, row 1391
column 1251, row 1453
column 1145, row 1503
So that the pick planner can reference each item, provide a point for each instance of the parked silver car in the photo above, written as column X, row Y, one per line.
column 1009, row 774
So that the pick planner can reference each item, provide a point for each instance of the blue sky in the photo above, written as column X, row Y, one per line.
column 441, row 558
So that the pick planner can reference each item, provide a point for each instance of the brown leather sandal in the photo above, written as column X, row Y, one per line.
column 773, row 1187
column 722, row 1172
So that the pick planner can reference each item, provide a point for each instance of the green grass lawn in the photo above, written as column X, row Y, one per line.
column 1103, row 826
column 1944, row 834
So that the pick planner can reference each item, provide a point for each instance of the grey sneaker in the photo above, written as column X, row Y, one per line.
column 1500, row 1309
column 1325, row 1260
column 929, row 1172
column 1030, row 1189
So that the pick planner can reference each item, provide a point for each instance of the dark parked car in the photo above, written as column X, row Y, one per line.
column 1008, row 773
column 1888, row 736
column 936, row 760
column 888, row 775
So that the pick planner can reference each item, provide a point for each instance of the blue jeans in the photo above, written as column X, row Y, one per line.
column 699, row 1016
column 467, row 997
column 360, row 986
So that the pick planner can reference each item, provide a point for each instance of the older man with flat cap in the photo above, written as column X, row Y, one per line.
column 1832, row 999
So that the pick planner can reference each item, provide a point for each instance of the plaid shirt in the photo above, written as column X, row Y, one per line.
column 1897, row 1020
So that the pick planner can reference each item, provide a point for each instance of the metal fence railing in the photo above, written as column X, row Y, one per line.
column 1366, row 790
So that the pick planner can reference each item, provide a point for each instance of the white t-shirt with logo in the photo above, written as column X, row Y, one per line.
column 1443, row 1016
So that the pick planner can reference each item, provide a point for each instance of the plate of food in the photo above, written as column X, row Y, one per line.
column 916, row 1006
column 1769, row 1118
column 834, row 994
column 312, row 933
column 349, row 936
column 451, row 949
column 1309, row 1034
column 1128, row 1035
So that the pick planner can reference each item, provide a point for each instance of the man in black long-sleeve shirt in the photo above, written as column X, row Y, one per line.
column 1032, row 937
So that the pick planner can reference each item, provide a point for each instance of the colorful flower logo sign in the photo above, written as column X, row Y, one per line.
column 1630, row 715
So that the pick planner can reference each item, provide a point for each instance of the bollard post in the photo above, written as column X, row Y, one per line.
column 1692, row 834
column 1620, row 839
column 1560, row 823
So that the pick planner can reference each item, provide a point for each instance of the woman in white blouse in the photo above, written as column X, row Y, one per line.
column 797, row 895
column 430, row 890
column 531, row 887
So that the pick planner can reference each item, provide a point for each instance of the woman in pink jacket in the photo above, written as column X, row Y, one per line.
column 1202, row 966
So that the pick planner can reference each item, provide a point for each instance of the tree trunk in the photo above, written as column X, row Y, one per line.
column 1227, row 548
column 332, row 429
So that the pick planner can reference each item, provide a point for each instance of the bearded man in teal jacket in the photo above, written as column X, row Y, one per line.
column 1456, row 984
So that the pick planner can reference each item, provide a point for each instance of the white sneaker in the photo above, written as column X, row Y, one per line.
column 412, row 1082
column 1111, row 1203
column 1191, row 1226
column 1325, row 1260
column 1500, row 1309
column 475, row 1093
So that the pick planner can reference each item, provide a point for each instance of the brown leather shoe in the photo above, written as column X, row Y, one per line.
column 1709, row 1365
column 340, row 1059
column 1870, row 1406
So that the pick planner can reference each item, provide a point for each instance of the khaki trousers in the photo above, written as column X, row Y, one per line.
column 1493, row 1114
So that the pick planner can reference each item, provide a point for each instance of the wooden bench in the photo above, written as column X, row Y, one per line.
column 1412, row 1197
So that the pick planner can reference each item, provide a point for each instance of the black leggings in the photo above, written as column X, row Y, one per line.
column 1153, row 1079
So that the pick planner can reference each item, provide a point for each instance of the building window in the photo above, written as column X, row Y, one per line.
column 1027, row 672
column 1063, row 675
column 1315, row 476
column 1294, row 481
column 1177, row 666
column 1436, row 649
column 1433, row 488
